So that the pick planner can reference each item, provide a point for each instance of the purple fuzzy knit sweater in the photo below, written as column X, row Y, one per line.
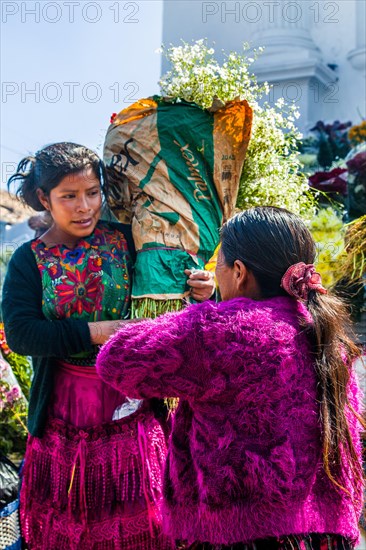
column 244, row 458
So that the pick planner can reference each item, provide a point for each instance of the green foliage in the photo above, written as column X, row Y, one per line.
column 149, row 308
column 22, row 370
column 15, row 381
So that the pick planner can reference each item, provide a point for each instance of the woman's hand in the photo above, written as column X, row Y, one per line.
column 101, row 331
column 202, row 284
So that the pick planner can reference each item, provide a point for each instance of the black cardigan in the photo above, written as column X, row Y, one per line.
column 28, row 332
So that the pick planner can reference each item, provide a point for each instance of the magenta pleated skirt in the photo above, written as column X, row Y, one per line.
column 91, row 483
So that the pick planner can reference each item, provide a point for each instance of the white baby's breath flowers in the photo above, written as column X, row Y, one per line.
column 271, row 174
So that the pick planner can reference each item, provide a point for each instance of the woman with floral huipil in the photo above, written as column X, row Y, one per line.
column 92, row 471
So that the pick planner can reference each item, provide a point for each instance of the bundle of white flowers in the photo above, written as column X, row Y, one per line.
column 271, row 174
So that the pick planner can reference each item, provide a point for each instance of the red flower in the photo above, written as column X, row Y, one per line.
column 79, row 290
column 357, row 164
column 334, row 181
column 3, row 345
column 94, row 263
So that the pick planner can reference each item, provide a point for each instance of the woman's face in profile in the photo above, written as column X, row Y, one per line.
column 225, row 276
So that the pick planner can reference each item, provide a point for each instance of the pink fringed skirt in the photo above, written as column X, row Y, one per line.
column 93, row 486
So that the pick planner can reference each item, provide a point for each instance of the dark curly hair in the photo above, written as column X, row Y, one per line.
column 49, row 166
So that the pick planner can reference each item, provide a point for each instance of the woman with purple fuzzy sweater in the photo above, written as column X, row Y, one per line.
column 265, row 448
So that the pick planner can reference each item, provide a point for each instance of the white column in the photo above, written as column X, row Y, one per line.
column 357, row 57
column 283, row 29
column 291, row 62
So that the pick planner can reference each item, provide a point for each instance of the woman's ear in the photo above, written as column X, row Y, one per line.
column 246, row 283
column 240, row 275
column 43, row 199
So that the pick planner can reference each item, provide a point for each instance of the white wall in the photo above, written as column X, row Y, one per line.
column 332, row 26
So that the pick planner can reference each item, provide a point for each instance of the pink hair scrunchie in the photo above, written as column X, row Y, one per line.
column 300, row 278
